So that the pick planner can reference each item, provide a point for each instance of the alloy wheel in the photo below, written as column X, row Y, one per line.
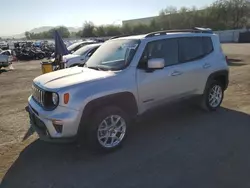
column 111, row 131
column 215, row 96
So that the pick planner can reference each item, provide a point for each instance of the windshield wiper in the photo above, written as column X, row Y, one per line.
column 95, row 68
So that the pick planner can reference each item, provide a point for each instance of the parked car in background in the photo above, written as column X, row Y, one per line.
column 10, row 53
column 6, row 52
column 29, row 53
column 75, row 46
column 4, row 61
column 81, row 55
column 4, row 45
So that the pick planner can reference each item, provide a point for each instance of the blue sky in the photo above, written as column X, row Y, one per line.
column 18, row 16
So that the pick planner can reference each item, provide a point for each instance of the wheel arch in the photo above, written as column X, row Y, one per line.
column 124, row 100
column 222, row 76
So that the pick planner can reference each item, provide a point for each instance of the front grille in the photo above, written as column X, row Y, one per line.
column 42, row 97
column 38, row 95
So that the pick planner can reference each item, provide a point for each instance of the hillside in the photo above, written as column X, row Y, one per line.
column 39, row 30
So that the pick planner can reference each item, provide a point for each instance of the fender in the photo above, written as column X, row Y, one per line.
column 222, row 74
column 124, row 100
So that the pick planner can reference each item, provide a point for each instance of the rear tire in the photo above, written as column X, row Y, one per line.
column 213, row 96
column 107, row 129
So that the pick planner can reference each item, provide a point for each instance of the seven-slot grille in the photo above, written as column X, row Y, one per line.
column 38, row 94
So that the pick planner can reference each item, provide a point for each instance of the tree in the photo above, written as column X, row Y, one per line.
column 100, row 31
column 126, row 29
column 63, row 31
column 112, row 30
column 88, row 29
column 220, row 15
column 27, row 35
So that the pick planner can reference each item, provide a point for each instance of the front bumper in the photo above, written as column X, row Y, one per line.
column 5, row 64
column 42, row 122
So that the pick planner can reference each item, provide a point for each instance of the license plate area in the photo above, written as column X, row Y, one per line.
column 37, row 123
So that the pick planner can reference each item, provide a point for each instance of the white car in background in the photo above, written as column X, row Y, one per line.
column 4, row 45
column 9, row 53
column 76, row 46
column 81, row 55
column 4, row 61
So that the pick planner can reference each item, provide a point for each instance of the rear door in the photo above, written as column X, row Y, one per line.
column 194, row 63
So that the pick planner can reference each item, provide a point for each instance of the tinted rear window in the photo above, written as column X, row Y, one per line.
column 207, row 45
column 193, row 48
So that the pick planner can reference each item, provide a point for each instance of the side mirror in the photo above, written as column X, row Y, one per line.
column 156, row 63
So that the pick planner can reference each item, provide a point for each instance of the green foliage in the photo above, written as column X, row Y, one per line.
column 64, row 32
column 88, row 29
column 220, row 15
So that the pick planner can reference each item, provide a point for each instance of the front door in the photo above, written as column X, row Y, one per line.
column 160, row 86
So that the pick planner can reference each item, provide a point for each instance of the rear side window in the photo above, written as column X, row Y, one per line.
column 193, row 48
column 190, row 48
column 207, row 45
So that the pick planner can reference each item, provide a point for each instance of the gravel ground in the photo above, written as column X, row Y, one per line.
column 182, row 147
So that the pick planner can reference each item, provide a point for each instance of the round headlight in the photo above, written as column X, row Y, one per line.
column 55, row 98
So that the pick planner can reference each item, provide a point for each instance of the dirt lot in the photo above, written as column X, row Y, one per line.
column 186, row 147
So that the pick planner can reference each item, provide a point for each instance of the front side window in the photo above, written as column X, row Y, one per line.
column 114, row 54
column 166, row 49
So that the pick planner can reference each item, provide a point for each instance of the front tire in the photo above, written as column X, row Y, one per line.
column 213, row 96
column 108, row 129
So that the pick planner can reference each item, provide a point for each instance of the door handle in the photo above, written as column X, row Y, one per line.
column 176, row 73
column 206, row 65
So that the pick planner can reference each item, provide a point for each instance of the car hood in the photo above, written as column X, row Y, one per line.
column 56, row 80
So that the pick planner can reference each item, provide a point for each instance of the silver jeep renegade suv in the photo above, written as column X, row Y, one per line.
column 124, row 78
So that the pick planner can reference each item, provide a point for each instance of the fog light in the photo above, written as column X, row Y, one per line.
column 58, row 125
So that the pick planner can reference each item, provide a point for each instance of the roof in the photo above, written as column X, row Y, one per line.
column 95, row 44
column 195, row 31
column 145, row 35
column 133, row 37
column 85, row 41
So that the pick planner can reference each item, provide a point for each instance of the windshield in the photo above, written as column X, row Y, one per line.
column 114, row 54
column 77, row 45
column 83, row 50
column 72, row 46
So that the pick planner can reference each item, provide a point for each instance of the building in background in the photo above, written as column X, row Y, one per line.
column 143, row 21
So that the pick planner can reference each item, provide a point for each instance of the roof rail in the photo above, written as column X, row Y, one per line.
column 115, row 37
column 194, row 30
